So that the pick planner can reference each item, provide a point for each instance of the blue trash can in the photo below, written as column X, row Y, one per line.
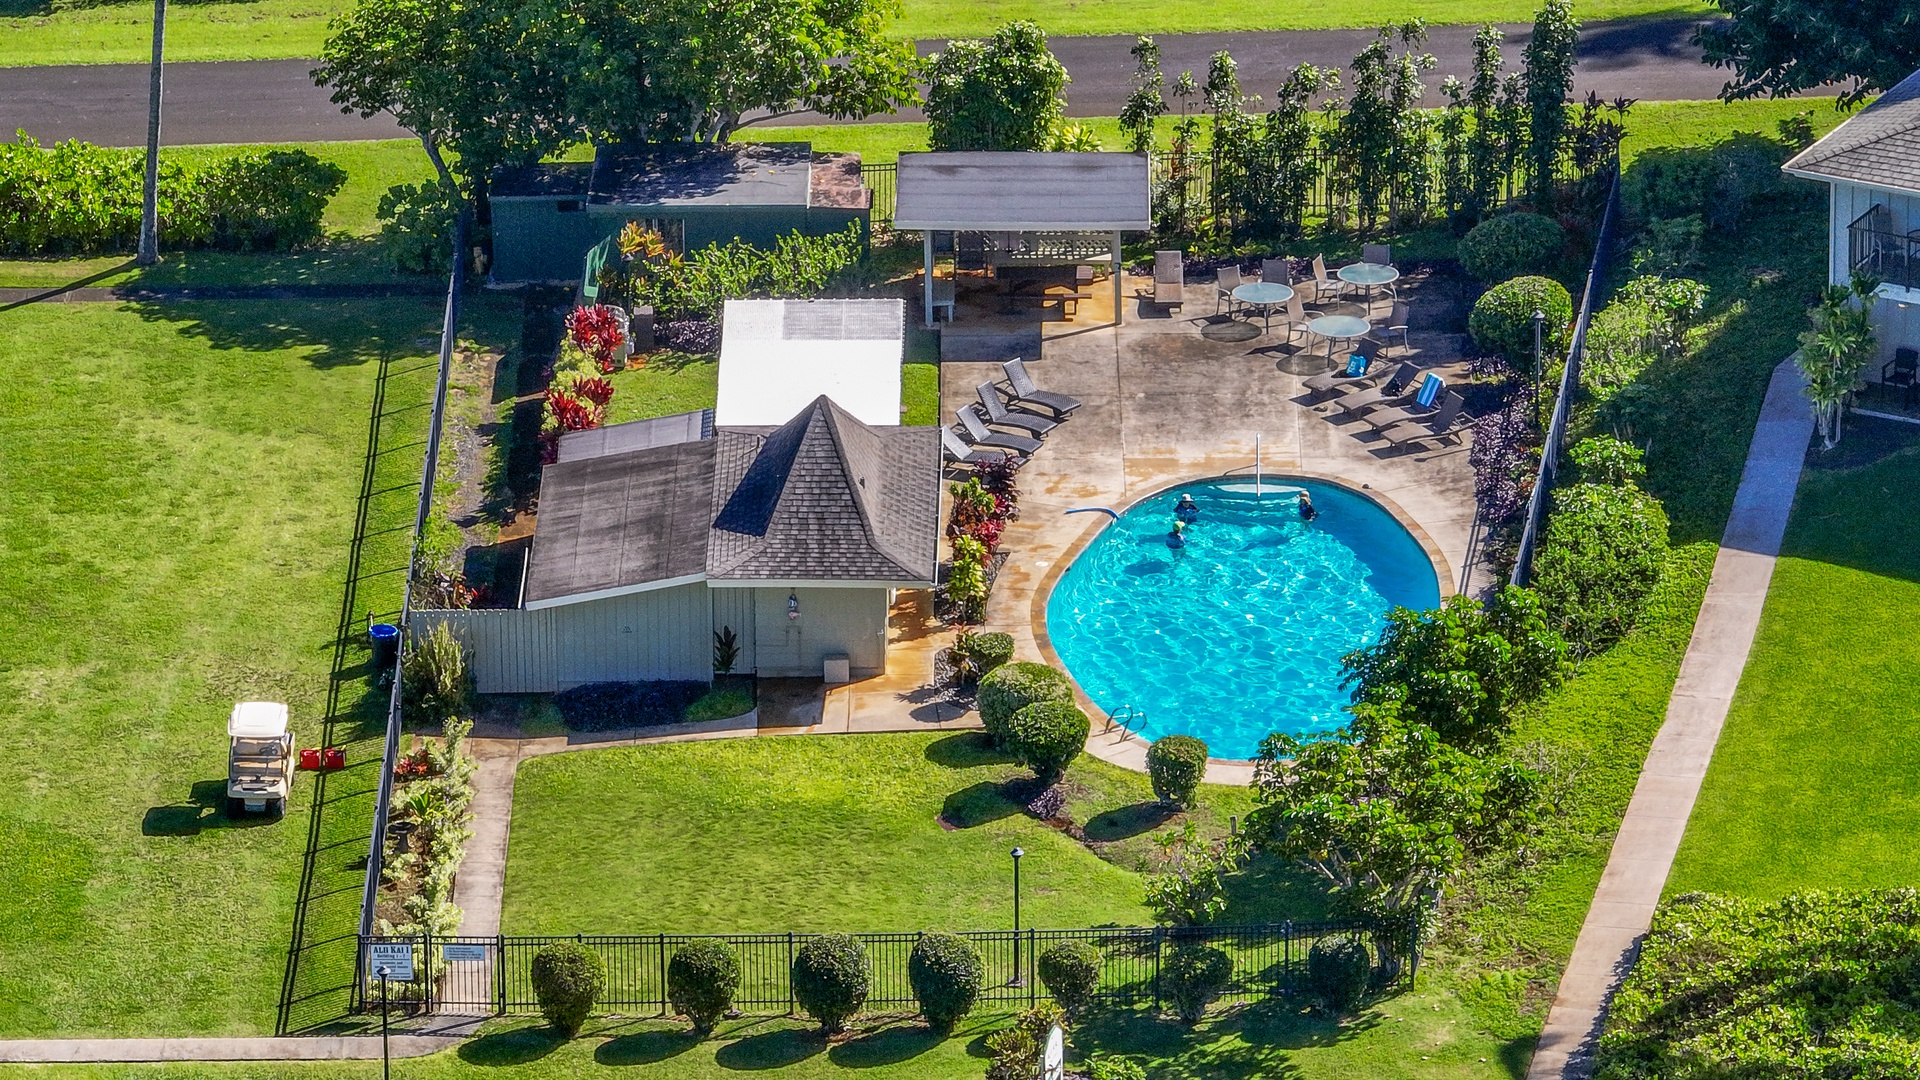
column 384, row 640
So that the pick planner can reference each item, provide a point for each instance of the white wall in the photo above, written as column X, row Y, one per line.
column 734, row 609
column 1894, row 325
column 852, row 622
column 663, row 634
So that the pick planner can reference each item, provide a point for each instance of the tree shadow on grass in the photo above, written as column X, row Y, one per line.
column 339, row 333
column 770, row 1050
column 965, row 750
column 887, row 1046
column 977, row 804
column 645, row 1047
column 1124, row 822
column 520, row 1046
column 1246, row 1040
column 1268, row 889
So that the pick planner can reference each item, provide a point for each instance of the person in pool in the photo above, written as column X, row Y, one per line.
column 1186, row 510
column 1305, row 506
column 1175, row 539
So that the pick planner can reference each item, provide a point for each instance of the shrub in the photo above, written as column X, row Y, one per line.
column 567, row 980
column 697, row 337
column 1599, row 561
column 269, row 201
column 610, row 705
column 1717, row 182
column 1012, row 687
column 1603, row 459
column 1070, row 971
column 1193, row 976
column 1338, row 973
column 1015, row 1051
column 417, row 226
column 1046, row 736
column 830, row 977
column 1502, row 319
column 1115, row 1068
column 434, row 684
column 1176, row 764
column 999, row 94
column 695, row 287
column 945, row 973
column 1510, row 245
column 983, row 652
column 701, row 980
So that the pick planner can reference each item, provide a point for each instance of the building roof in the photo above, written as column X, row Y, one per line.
column 825, row 497
column 776, row 356
column 1019, row 191
column 821, row 497
column 558, row 179
column 692, row 174
column 1878, row 146
column 636, row 435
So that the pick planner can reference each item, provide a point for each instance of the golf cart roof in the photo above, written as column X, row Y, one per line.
column 257, row 720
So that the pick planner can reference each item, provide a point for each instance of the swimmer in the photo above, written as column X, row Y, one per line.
column 1305, row 506
column 1186, row 509
column 1174, row 538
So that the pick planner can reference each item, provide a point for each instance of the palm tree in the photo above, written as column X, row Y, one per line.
column 1836, row 350
column 150, row 207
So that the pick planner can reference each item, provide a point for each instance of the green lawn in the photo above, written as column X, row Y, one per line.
column 177, row 502
column 1815, row 783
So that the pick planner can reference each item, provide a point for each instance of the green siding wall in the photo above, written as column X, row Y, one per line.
column 534, row 241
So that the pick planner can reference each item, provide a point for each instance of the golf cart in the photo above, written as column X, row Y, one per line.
column 259, row 759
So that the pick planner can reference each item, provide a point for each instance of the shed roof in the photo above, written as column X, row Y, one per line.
column 776, row 356
column 554, row 179
column 1879, row 146
column 621, row 523
column 636, row 435
column 684, row 174
column 1036, row 192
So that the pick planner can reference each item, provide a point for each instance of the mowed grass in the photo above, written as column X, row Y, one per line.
column 1815, row 783
column 177, row 502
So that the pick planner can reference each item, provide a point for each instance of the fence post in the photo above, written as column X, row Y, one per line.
column 789, row 973
column 426, row 966
column 661, row 954
column 1286, row 964
column 500, row 973
column 1158, row 933
column 1031, row 991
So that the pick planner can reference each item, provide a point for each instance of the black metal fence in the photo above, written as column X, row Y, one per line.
column 493, row 974
column 1556, row 436
column 879, row 179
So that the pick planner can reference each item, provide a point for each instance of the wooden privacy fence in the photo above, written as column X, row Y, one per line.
column 489, row 975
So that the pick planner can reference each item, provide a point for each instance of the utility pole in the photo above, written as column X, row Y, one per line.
column 150, row 207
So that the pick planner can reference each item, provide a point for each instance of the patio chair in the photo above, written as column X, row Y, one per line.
column 1390, row 393
column 1324, row 280
column 1902, row 371
column 999, row 414
column 1228, row 279
column 960, row 453
column 1397, row 323
column 969, row 252
column 1353, row 375
column 1277, row 271
column 1169, row 278
column 1448, row 423
column 1025, row 393
column 1377, row 254
column 1425, row 401
column 973, row 428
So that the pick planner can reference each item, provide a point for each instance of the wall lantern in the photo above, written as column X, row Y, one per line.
column 793, row 606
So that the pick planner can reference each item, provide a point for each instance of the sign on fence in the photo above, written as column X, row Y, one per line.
column 396, row 958
column 453, row 954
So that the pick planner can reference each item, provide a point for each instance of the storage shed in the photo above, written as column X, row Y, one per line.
column 546, row 217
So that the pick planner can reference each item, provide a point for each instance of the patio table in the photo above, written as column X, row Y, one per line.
column 1339, row 328
column 1367, row 275
column 1266, row 295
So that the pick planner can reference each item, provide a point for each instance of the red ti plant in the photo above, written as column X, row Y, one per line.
column 597, row 391
column 576, row 408
column 595, row 330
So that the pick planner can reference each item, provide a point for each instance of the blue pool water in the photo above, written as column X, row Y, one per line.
column 1239, row 633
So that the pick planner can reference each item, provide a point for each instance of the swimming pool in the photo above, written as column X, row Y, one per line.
column 1239, row 631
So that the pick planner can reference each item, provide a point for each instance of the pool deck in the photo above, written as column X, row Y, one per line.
column 1168, row 398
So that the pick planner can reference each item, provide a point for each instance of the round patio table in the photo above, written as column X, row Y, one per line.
column 1339, row 328
column 1367, row 275
column 1265, row 295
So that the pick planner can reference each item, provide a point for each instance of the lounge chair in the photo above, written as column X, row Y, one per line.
column 960, row 453
column 974, row 429
column 1389, row 393
column 1277, row 271
column 1226, row 280
column 1448, row 423
column 1424, row 402
column 1345, row 378
column 1169, row 278
column 1025, row 393
column 999, row 415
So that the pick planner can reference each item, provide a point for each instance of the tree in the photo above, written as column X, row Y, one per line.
column 1236, row 152
column 1286, row 169
column 1461, row 667
column 999, row 94
column 1836, row 350
column 1488, row 153
column 1778, row 48
column 663, row 70
column 1385, row 811
column 1147, row 103
column 1381, row 140
column 1549, row 84
column 1189, row 888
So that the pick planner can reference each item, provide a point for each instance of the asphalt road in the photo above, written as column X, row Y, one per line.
column 276, row 101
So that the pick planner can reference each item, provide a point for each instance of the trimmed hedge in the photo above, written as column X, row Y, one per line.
column 1012, row 687
column 831, row 974
column 608, row 706
column 701, row 980
column 567, row 981
column 1599, row 560
column 987, row 650
column 945, row 972
column 1070, row 971
column 1046, row 736
column 1176, row 764
column 1510, row 245
column 1339, row 970
column 1502, row 319
column 1193, row 977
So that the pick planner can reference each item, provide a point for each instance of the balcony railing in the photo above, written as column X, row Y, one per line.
column 1877, row 249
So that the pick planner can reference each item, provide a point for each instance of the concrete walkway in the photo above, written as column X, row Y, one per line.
column 1656, row 819
column 321, row 1048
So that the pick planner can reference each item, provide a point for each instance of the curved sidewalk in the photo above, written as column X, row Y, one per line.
column 1656, row 819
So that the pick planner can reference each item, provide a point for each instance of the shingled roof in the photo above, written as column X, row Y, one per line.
column 1880, row 146
column 825, row 497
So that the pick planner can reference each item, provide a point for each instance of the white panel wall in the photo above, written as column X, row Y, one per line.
column 734, row 608
column 664, row 634
column 508, row 651
column 1894, row 325
column 852, row 622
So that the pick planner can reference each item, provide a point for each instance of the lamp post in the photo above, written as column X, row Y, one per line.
column 386, row 1064
column 1539, row 356
column 1017, row 979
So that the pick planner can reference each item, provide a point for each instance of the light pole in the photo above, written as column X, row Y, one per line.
column 1539, row 357
column 386, row 1066
column 149, row 252
column 1017, row 977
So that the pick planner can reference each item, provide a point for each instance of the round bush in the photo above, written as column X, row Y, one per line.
column 1511, row 245
column 1502, row 319
column 1012, row 687
column 830, row 977
column 1193, row 976
column 1046, row 736
column 567, row 980
column 989, row 650
column 1070, row 971
column 1176, row 764
column 1338, row 972
column 945, row 973
column 1599, row 561
column 701, row 980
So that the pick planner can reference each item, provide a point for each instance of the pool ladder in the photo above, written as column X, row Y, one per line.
column 1127, row 718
